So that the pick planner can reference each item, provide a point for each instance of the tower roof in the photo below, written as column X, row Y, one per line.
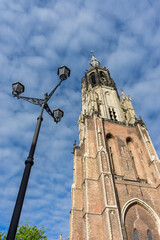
column 94, row 62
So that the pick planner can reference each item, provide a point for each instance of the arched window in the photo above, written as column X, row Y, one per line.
column 135, row 233
column 149, row 235
column 93, row 79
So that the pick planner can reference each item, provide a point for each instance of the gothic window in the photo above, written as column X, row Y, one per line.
column 135, row 233
column 102, row 76
column 93, row 79
column 149, row 235
column 112, row 114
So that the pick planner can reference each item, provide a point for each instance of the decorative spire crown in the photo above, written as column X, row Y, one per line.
column 94, row 62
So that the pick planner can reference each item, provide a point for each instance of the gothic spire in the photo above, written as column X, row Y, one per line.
column 94, row 62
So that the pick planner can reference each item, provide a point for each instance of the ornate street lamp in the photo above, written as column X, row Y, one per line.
column 63, row 72
column 17, row 88
column 57, row 114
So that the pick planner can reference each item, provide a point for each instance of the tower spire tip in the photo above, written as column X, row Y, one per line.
column 92, row 53
column 94, row 62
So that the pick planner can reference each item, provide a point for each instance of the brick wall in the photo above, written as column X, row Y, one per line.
column 100, row 195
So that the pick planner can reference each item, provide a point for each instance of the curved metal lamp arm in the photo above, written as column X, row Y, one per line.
column 36, row 101
column 47, row 108
column 50, row 95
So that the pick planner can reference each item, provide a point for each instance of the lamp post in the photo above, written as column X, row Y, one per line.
column 57, row 114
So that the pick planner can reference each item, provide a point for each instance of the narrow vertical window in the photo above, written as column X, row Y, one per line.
column 149, row 235
column 102, row 76
column 93, row 79
column 114, row 114
column 110, row 113
column 135, row 233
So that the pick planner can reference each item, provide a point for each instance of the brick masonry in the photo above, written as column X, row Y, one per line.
column 99, row 196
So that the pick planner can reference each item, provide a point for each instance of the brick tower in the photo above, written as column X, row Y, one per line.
column 116, row 177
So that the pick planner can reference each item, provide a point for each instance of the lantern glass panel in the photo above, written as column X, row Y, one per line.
column 19, row 88
column 61, row 71
column 60, row 114
column 67, row 72
column 14, row 87
column 56, row 113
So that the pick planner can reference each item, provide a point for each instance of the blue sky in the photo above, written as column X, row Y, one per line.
column 36, row 38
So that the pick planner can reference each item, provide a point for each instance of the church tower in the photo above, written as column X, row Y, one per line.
column 116, row 173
